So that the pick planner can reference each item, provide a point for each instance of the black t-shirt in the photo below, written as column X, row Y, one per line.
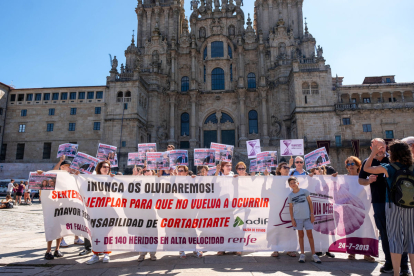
column 379, row 187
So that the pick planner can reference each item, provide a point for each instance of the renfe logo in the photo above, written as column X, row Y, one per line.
column 238, row 222
column 262, row 221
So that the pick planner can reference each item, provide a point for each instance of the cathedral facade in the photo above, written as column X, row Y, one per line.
column 208, row 78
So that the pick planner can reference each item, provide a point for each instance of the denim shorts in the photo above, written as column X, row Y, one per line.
column 303, row 223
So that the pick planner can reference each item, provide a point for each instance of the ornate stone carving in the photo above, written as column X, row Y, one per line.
column 276, row 126
column 114, row 63
column 202, row 32
column 210, row 126
column 162, row 131
column 216, row 27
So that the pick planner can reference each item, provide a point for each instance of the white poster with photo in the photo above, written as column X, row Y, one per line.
column 212, row 171
column 158, row 161
column 253, row 148
column 133, row 159
column 114, row 163
column 106, row 152
column 204, row 157
column 253, row 165
column 223, row 152
column 84, row 163
column 291, row 147
column 42, row 181
column 317, row 158
column 178, row 157
column 68, row 150
column 142, row 151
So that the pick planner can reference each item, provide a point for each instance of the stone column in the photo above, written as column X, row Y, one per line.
column 402, row 96
column 360, row 98
column 240, row 83
column 149, row 13
column 263, row 97
column 193, row 138
column 243, row 138
column 172, row 117
column 289, row 14
column 300, row 18
column 382, row 99
column 392, row 97
column 370, row 97
column 153, row 121
column 271, row 17
column 140, row 28
column 166, row 31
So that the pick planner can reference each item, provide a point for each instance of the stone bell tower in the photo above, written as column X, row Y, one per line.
column 166, row 15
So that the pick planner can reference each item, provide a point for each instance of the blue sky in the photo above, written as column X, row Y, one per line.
column 49, row 43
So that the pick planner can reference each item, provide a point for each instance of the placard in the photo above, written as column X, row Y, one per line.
column 253, row 165
column 291, row 147
column 43, row 181
column 178, row 157
column 223, row 152
column 84, row 163
column 253, row 148
column 133, row 159
column 158, row 161
column 204, row 157
column 142, row 151
column 106, row 152
column 317, row 158
column 67, row 149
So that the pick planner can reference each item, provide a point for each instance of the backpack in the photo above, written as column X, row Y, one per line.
column 9, row 205
column 402, row 189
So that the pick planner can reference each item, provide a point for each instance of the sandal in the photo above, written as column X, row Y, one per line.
column 220, row 253
column 291, row 254
column 182, row 255
column 369, row 259
column 351, row 257
column 275, row 254
column 198, row 254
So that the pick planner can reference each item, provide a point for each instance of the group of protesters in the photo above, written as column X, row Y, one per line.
column 20, row 193
column 394, row 222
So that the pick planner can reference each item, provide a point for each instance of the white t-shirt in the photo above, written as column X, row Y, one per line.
column 10, row 187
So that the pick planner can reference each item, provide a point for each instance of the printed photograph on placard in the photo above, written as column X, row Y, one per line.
column 253, row 165
column 178, row 157
column 143, row 149
column 106, row 152
column 158, row 161
column 317, row 158
column 114, row 163
column 223, row 152
column 291, row 147
column 43, row 181
column 84, row 163
column 133, row 159
column 69, row 150
column 204, row 157
column 212, row 171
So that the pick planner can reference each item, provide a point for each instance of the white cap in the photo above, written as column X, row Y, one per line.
column 409, row 140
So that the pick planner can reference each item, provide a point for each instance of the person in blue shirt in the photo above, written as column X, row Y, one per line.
column 298, row 170
column 400, row 226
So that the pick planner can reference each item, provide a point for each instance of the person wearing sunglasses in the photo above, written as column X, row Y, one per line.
column 103, row 168
column 241, row 170
column 298, row 170
column 353, row 166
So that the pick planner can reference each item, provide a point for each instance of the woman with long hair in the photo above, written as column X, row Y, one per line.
column 19, row 192
column 400, row 220
column 224, row 169
column 103, row 168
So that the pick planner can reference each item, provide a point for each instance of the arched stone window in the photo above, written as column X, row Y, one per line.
column 217, row 79
column 230, row 51
column 305, row 88
column 314, row 88
column 251, row 80
column 185, row 124
column 185, row 84
column 120, row 97
column 127, row 96
column 226, row 118
column 212, row 118
column 253, row 123
column 217, row 49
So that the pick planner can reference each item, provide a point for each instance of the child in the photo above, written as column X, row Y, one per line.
column 301, row 213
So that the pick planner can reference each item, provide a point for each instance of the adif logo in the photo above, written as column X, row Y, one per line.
column 238, row 222
column 258, row 221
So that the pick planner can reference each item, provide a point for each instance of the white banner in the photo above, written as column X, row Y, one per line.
column 148, row 213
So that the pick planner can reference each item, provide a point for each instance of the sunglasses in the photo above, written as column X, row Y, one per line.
column 145, row 171
column 317, row 169
column 105, row 167
column 350, row 164
column 285, row 167
column 241, row 169
column 299, row 162
column 180, row 171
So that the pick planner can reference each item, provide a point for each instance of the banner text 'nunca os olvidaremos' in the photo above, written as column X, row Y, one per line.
column 148, row 213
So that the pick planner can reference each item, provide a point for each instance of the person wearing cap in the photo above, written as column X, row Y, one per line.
column 410, row 141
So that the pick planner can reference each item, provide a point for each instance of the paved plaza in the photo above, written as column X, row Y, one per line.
column 23, row 247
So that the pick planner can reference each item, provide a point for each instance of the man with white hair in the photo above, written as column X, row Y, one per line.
column 410, row 141
column 298, row 170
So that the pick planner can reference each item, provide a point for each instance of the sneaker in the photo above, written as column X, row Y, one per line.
column 329, row 254
column 106, row 258
column 153, row 257
column 405, row 272
column 316, row 259
column 302, row 258
column 182, row 255
column 49, row 256
column 79, row 241
column 63, row 243
column 386, row 269
column 85, row 252
column 141, row 258
column 319, row 254
column 94, row 259
column 58, row 254
column 198, row 254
